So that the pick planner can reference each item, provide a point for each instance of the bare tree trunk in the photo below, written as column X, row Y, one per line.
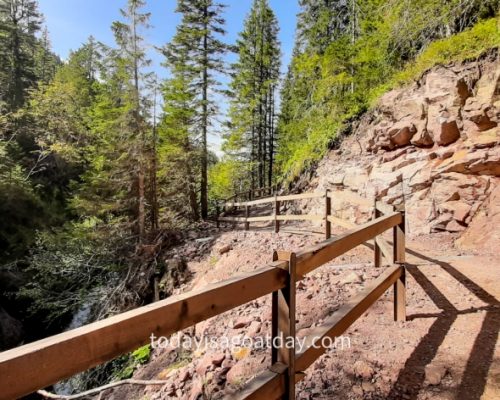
column 204, row 140
column 154, row 168
column 141, row 219
column 271, row 138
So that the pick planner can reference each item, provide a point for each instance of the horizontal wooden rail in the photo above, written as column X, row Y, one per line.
column 290, row 197
column 271, row 383
column 302, row 196
column 310, row 259
column 45, row 362
column 300, row 217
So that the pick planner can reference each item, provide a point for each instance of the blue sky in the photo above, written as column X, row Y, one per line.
column 71, row 22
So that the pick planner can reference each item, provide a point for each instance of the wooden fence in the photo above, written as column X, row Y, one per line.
column 251, row 194
column 37, row 365
column 277, row 201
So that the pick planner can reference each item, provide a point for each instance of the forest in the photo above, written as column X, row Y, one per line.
column 101, row 161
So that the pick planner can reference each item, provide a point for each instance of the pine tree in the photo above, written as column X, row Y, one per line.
column 199, row 33
column 180, row 144
column 254, row 79
column 131, row 58
column 320, row 22
column 20, row 21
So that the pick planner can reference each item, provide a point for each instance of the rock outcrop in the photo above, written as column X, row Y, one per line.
column 433, row 145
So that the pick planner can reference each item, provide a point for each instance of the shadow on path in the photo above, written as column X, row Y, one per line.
column 411, row 378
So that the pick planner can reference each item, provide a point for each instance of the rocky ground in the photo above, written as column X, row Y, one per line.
column 447, row 349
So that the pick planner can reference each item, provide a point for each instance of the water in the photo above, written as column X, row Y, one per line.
column 80, row 318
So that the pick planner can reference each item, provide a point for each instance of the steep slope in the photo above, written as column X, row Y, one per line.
column 433, row 145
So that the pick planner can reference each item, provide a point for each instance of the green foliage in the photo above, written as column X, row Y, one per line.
column 65, row 267
column 131, row 362
column 469, row 44
column 343, row 61
column 21, row 209
column 228, row 177
column 142, row 354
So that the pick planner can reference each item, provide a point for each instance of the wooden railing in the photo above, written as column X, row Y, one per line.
column 251, row 194
column 45, row 362
column 277, row 201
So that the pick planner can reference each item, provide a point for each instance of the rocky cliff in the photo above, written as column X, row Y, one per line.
column 435, row 146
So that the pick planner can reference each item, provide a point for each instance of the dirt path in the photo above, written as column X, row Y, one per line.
column 447, row 349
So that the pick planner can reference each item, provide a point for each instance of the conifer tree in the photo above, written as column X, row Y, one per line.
column 254, row 80
column 131, row 59
column 180, row 141
column 199, row 35
column 20, row 21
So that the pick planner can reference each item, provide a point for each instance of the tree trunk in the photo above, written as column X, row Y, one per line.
column 204, row 141
column 154, row 186
column 271, row 138
column 141, row 207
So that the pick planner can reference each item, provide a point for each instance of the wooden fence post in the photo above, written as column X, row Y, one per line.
column 247, row 215
column 328, row 211
column 376, row 248
column 399, row 239
column 276, row 213
column 283, row 323
column 399, row 258
column 217, row 213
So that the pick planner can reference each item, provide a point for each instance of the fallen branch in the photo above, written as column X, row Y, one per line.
column 95, row 391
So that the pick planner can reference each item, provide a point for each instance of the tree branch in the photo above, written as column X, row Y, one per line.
column 95, row 391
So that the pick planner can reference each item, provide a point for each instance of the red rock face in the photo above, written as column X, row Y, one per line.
column 434, row 145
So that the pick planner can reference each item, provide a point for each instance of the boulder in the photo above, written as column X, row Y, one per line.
column 401, row 133
column 420, row 213
column 422, row 138
column 443, row 128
